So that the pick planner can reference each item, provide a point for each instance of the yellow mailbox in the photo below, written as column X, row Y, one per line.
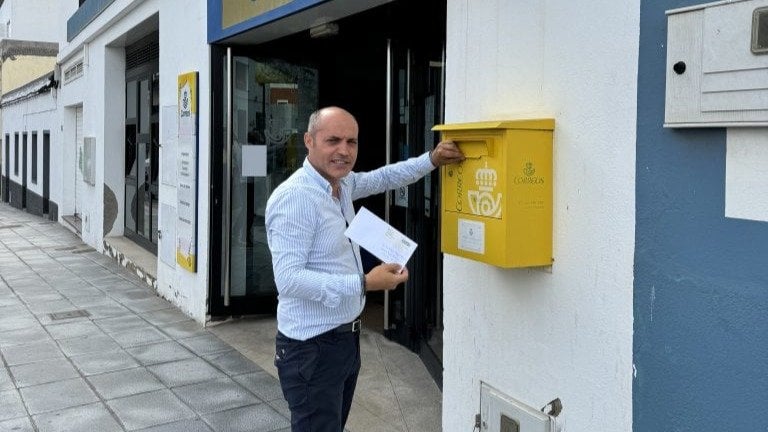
column 497, row 205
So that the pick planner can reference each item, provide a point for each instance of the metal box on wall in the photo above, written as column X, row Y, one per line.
column 497, row 204
column 717, row 65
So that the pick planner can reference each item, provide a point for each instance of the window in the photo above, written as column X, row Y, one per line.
column 34, row 157
column 16, row 154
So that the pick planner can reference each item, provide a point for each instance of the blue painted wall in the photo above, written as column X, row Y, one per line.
column 701, row 279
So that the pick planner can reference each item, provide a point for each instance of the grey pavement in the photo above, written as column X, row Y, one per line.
column 87, row 346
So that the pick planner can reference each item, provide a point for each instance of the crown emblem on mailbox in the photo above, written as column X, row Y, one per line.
column 481, row 201
column 486, row 178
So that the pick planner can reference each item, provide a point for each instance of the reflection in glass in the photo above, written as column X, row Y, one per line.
column 144, row 106
column 130, row 211
column 130, row 150
column 272, row 101
column 130, row 100
column 142, row 178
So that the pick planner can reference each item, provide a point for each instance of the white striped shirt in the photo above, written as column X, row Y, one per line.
column 317, row 269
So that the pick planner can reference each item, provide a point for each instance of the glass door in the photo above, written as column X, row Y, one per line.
column 415, row 312
column 141, row 156
column 266, row 104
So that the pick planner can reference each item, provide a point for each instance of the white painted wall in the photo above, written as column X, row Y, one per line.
column 34, row 115
column 184, row 51
column 101, row 91
column 746, row 185
column 35, row 20
column 538, row 334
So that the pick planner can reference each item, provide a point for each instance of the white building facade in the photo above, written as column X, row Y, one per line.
column 658, row 228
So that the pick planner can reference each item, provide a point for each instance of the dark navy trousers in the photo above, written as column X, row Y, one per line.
column 318, row 378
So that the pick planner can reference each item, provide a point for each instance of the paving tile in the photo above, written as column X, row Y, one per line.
column 107, row 310
column 165, row 316
column 192, row 425
column 9, row 300
column 89, row 300
column 231, row 362
column 130, row 294
column 217, row 395
column 150, row 409
column 6, row 383
column 95, row 417
column 15, row 311
column 281, row 406
column 183, row 372
column 122, row 323
column 12, row 405
column 147, row 305
column 17, row 323
column 39, row 307
column 123, row 383
column 184, row 329
column 262, row 384
column 136, row 337
column 57, row 396
column 42, row 372
column 22, row 424
column 20, row 354
column 253, row 418
column 88, row 344
column 23, row 336
column 205, row 344
column 160, row 353
column 97, row 363
column 73, row 329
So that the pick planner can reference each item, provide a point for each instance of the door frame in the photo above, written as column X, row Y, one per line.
column 414, row 314
column 147, row 72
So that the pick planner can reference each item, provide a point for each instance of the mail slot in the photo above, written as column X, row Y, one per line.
column 496, row 205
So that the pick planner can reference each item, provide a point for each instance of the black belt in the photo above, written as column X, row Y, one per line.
column 353, row 327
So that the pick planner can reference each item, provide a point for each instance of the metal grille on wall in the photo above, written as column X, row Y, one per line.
column 143, row 51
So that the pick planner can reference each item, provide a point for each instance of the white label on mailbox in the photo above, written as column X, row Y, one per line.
column 472, row 236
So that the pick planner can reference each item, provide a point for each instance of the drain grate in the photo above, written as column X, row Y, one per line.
column 69, row 314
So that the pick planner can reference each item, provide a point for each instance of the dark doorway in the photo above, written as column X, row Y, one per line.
column 385, row 66
column 46, row 171
column 7, row 168
column 142, row 142
column 24, row 170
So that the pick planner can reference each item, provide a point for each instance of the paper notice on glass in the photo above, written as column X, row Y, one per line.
column 379, row 238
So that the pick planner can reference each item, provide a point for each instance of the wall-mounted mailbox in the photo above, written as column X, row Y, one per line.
column 497, row 205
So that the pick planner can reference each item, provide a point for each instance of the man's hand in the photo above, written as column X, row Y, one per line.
column 385, row 277
column 446, row 152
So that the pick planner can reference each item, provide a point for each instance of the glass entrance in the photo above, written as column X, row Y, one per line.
column 142, row 156
column 263, row 144
column 415, row 313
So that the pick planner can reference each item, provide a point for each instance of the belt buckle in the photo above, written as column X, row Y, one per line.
column 356, row 325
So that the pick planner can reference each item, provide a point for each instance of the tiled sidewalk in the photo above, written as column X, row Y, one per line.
column 85, row 346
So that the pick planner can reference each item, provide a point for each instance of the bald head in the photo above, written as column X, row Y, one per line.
column 321, row 117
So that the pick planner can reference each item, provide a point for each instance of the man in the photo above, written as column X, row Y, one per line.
column 318, row 272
